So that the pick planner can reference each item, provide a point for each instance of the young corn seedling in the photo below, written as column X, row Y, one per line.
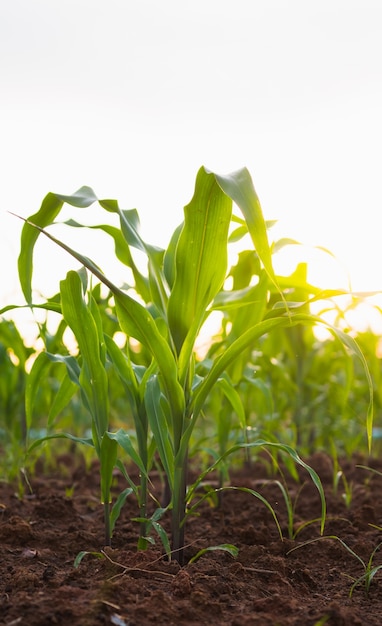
column 13, row 425
column 370, row 570
column 338, row 477
column 184, row 284
column 288, row 453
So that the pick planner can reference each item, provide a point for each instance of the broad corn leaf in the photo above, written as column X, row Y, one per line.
column 137, row 322
column 234, row 399
column 62, row 398
column 200, row 260
column 123, row 254
column 93, row 377
column 68, row 386
column 81, row 199
column 86, row 441
column 130, row 226
column 239, row 187
column 118, row 506
column 32, row 386
column 50, row 208
column 123, row 439
column 125, row 371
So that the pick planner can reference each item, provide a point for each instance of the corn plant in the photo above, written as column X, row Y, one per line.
column 165, row 315
column 14, row 355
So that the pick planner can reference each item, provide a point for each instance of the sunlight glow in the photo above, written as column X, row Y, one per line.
column 138, row 115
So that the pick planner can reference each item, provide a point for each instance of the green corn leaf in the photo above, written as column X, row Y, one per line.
column 50, row 208
column 130, row 228
column 312, row 473
column 130, row 225
column 158, row 514
column 81, row 199
column 85, row 261
column 80, row 556
column 126, row 476
column 158, row 423
column 200, row 261
column 122, row 252
column 247, row 297
column 239, row 187
column 247, row 266
column 228, row 357
column 265, row 390
column 62, row 398
column 96, row 315
column 10, row 336
column 234, row 399
column 133, row 380
column 118, row 506
column 253, row 333
column 71, row 364
column 48, row 306
column 68, row 386
column 33, row 385
column 169, row 257
column 238, row 234
column 123, row 439
column 86, row 441
column 93, row 377
column 125, row 371
column 226, row 547
column 261, row 443
column 108, row 459
column 353, row 346
column 137, row 322
column 121, row 248
column 135, row 319
column 163, row 537
column 284, row 242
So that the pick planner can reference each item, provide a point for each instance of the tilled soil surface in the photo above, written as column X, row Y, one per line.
column 268, row 583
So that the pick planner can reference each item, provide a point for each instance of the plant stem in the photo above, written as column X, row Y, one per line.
column 106, row 512
column 179, row 511
column 143, row 506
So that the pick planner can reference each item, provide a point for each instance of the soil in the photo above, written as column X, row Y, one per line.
column 268, row 583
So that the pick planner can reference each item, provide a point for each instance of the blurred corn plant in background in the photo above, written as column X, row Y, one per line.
column 13, row 427
column 292, row 385
column 168, row 387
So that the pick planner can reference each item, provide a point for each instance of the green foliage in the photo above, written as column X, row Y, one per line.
column 13, row 427
column 225, row 547
column 369, row 570
column 151, row 398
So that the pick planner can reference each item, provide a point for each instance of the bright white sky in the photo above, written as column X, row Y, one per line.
column 132, row 98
